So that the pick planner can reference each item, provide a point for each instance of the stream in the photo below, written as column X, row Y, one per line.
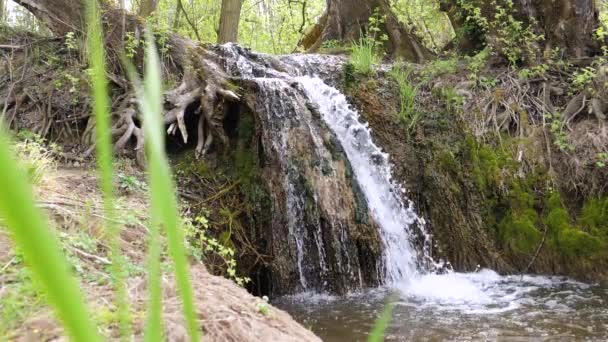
column 462, row 307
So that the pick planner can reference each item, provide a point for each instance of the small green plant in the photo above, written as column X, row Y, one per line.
column 439, row 67
column 478, row 62
column 364, row 52
column 263, row 307
column 363, row 56
column 453, row 101
column 407, row 98
column 532, row 72
column 331, row 44
column 488, row 82
column 601, row 159
column 70, row 41
column 560, row 138
column 132, row 43
column 35, row 155
column 581, row 80
column 73, row 81
column 218, row 254
column 130, row 183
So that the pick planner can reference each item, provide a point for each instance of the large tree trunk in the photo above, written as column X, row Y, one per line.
column 229, row 21
column 147, row 7
column 346, row 20
column 60, row 16
column 568, row 24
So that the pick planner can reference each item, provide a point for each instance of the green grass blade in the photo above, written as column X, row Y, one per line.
column 377, row 334
column 102, row 109
column 164, row 201
column 153, row 328
column 41, row 249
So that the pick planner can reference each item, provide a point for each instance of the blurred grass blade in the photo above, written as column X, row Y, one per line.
column 377, row 334
column 102, row 108
column 164, row 201
column 41, row 248
column 153, row 327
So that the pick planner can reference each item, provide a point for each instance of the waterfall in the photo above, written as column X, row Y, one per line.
column 321, row 245
column 373, row 171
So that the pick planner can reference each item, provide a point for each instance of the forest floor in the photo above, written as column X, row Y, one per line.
column 70, row 196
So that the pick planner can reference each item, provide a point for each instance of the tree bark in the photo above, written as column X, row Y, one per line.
column 346, row 20
column 2, row 10
column 230, row 17
column 568, row 24
column 147, row 7
column 60, row 16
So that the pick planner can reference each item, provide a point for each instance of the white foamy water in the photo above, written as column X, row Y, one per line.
column 373, row 173
column 463, row 307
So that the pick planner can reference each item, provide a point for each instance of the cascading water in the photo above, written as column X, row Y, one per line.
column 373, row 172
column 371, row 167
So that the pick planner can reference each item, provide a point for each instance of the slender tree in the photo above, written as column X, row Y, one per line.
column 230, row 17
column 2, row 10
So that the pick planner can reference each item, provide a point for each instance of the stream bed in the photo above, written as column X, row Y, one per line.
column 462, row 307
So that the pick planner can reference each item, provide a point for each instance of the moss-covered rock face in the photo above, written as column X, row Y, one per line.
column 493, row 199
column 284, row 195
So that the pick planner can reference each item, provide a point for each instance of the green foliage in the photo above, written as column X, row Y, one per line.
column 132, row 44
column 518, row 229
column 20, row 298
column 601, row 159
column 70, row 41
column 366, row 52
column 263, row 307
column 511, row 38
column 407, row 98
column 35, row 155
column 581, row 80
column 130, row 183
column 363, row 56
column 561, row 138
column 439, row 67
column 218, row 253
column 452, row 100
column 532, row 72
column 477, row 62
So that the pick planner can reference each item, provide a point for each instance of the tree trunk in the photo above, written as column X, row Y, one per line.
column 346, row 20
column 229, row 21
column 568, row 24
column 147, row 7
column 2, row 10
column 60, row 16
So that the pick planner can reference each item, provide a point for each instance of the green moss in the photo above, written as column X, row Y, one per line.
column 518, row 231
column 577, row 243
column 568, row 239
column 594, row 217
